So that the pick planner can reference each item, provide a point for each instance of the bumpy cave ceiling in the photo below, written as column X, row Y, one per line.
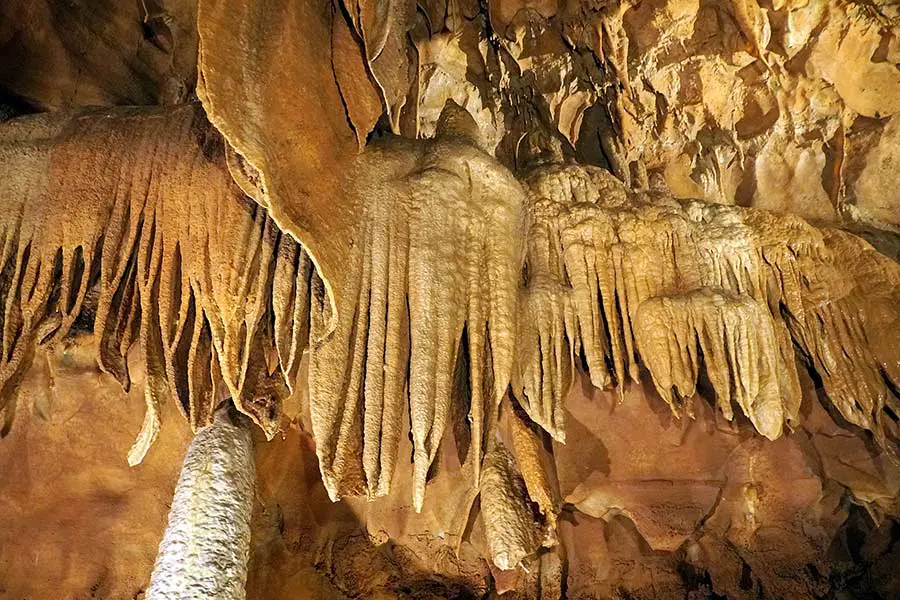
column 524, row 299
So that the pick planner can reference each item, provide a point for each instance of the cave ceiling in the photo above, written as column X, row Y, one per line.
column 524, row 299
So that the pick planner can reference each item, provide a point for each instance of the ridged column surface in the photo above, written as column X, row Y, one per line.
column 206, row 547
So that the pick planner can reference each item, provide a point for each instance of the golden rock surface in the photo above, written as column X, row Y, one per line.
column 558, row 300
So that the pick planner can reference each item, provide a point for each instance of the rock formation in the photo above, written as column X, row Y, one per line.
column 206, row 546
column 567, row 301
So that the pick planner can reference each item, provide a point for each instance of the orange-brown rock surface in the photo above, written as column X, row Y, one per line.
column 82, row 53
column 525, row 299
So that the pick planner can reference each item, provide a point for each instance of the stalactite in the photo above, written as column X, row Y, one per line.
column 438, row 254
column 683, row 285
column 128, row 219
column 512, row 533
column 526, row 445
column 735, row 338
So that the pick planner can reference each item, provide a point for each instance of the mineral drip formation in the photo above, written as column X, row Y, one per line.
column 458, row 281
column 204, row 552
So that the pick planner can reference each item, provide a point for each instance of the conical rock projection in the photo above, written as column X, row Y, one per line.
column 457, row 281
column 511, row 531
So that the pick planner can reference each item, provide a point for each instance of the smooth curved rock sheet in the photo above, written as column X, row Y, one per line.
column 267, row 83
column 382, row 26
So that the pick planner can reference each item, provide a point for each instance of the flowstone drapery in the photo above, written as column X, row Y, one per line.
column 302, row 231
column 442, row 306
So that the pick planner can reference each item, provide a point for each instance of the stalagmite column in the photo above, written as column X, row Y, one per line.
column 204, row 552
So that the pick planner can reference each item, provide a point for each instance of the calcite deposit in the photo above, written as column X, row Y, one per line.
column 519, row 299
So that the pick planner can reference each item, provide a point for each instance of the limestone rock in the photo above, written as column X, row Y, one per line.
column 559, row 299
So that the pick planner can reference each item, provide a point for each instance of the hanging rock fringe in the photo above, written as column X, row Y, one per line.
column 127, row 222
column 619, row 278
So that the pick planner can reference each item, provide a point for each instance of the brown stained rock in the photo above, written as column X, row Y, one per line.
column 68, row 480
column 291, row 221
column 741, row 515
column 70, row 502
column 808, row 512
column 631, row 458
column 58, row 54
column 867, row 174
column 733, row 102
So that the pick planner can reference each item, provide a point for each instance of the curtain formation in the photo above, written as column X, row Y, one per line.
column 463, row 281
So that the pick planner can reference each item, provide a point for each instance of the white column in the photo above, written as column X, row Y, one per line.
column 204, row 552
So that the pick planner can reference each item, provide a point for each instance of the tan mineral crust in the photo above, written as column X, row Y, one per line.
column 520, row 299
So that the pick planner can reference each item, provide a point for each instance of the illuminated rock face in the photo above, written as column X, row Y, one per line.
column 783, row 105
column 497, row 277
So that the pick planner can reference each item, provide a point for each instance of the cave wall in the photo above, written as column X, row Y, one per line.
column 98, row 52
column 786, row 105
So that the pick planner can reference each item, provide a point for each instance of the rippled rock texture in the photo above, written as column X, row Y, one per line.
column 523, row 299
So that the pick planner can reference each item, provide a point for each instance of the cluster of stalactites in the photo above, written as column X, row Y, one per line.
column 616, row 276
column 129, row 221
column 429, row 319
